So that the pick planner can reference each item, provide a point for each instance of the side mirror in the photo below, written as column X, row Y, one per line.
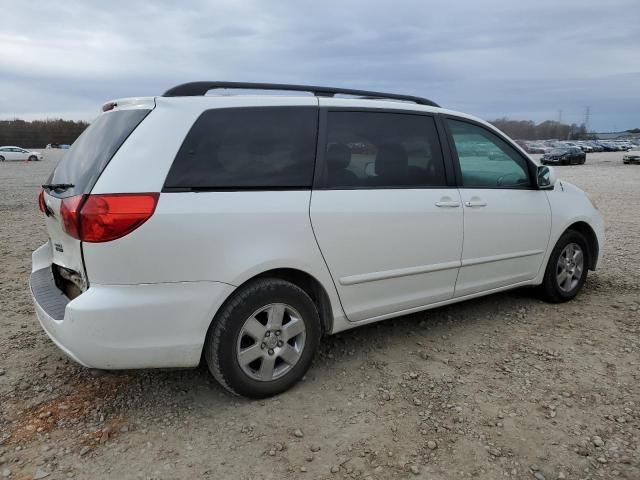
column 546, row 177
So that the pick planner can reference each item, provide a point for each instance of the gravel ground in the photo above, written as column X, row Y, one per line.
column 501, row 387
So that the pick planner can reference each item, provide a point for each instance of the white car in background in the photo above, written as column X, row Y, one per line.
column 17, row 153
column 240, row 229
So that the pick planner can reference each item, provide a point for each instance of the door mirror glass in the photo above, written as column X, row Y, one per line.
column 546, row 177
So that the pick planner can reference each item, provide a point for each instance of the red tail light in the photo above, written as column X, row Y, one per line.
column 106, row 217
column 69, row 211
column 41, row 205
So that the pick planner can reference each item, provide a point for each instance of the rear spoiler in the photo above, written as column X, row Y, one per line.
column 128, row 103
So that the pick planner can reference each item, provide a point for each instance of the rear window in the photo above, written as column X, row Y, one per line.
column 92, row 151
column 247, row 148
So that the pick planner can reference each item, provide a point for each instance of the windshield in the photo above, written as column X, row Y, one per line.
column 92, row 151
column 560, row 151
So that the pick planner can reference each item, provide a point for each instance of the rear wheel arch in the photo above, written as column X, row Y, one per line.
column 593, row 248
column 307, row 282
column 311, row 287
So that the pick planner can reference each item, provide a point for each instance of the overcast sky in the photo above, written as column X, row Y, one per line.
column 523, row 60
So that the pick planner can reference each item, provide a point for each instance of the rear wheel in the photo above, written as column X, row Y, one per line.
column 1, row 158
column 263, row 339
column 567, row 268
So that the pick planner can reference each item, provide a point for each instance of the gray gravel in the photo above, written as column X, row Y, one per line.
column 500, row 387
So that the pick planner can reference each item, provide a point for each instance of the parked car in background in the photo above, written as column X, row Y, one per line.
column 535, row 148
column 585, row 147
column 564, row 156
column 17, row 153
column 607, row 147
column 596, row 147
column 269, row 221
column 630, row 158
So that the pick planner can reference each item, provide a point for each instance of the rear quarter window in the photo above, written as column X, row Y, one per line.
column 247, row 148
column 92, row 151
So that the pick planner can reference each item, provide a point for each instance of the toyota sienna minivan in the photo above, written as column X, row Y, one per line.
column 239, row 229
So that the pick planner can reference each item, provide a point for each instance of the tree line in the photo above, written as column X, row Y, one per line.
column 39, row 133
column 549, row 129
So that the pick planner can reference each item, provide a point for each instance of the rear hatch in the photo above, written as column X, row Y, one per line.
column 73, row 179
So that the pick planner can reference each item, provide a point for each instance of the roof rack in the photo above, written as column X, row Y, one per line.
column 194, row 89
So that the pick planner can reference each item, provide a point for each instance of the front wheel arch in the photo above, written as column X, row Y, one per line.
column 593, row 248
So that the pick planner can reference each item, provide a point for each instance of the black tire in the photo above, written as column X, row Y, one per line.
column 1, row 158
column 33, row 158
column 223, row 336
column 550, row 288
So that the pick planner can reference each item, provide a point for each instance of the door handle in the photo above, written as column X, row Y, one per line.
column 450, row 204
column 475, row 203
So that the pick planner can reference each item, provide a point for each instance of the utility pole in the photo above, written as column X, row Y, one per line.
column 587, row 117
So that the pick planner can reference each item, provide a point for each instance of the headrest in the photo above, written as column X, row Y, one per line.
column 338, row 156
column 391, row 160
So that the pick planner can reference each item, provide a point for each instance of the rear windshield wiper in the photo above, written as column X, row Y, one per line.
column 58, row 186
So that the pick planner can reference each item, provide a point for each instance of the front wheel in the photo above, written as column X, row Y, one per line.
column 1, row 158
column 33, row 158
column 567, row 268
column 263, row 339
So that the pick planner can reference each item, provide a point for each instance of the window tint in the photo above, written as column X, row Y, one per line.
column 258, row 147
column 371, row 149
column 92, row 151
column 485, row 159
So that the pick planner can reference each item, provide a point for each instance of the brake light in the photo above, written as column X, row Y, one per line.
column 41, row 204
column 107, row 217
column 109, row 106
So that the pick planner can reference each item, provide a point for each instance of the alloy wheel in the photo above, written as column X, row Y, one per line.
column 570, row 267
column 271, row 342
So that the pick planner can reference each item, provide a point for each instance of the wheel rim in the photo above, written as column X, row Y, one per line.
column 570, row 267
column 271, row 342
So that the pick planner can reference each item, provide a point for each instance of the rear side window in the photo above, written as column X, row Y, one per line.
column 92, row 151
column 248, row 148
column 382, row 150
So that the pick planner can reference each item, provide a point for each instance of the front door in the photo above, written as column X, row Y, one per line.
column 388, row 226
column 507, row 221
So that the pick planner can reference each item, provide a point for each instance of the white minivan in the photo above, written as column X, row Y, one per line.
column 239, row 229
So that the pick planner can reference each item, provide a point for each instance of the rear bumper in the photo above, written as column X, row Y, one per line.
column 126, row 326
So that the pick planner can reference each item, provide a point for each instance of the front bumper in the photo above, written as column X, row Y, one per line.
column 126, row 326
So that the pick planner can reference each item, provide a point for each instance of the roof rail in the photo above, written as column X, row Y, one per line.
column 194, row 89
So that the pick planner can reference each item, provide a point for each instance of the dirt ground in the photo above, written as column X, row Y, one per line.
column 501, row 387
